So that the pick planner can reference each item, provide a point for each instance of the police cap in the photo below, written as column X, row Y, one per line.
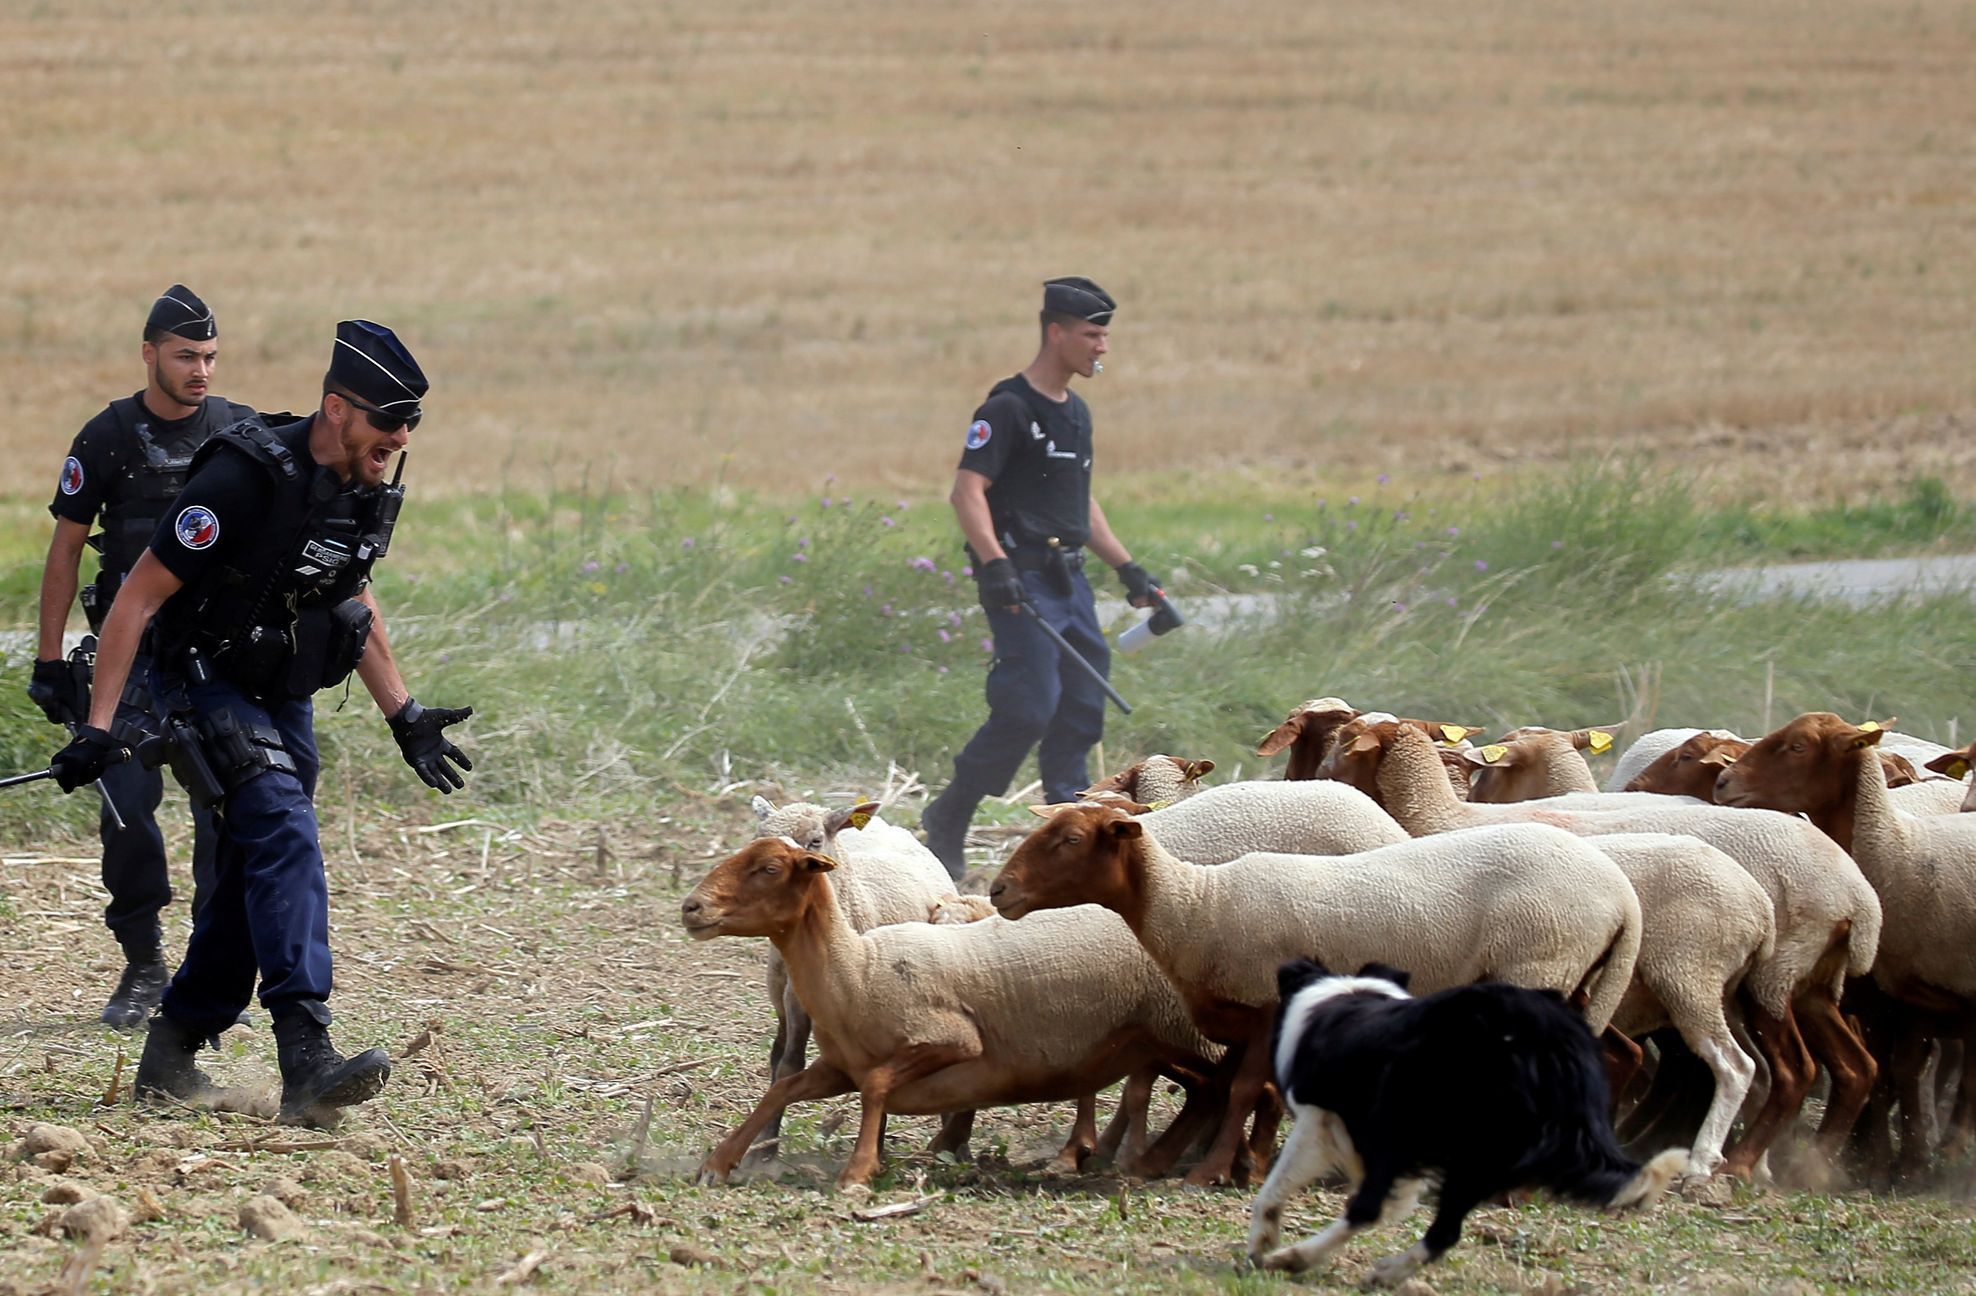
column 179, row 310
column 371, row 364
column 1078, row 296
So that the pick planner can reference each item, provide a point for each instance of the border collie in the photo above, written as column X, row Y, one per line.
column 1483, row 1088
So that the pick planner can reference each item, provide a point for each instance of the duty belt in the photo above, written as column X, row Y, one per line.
column 1038, row 558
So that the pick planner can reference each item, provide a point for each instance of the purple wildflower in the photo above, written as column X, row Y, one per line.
column 799, row 557
column 1557, row 544
column 1269, row 517
column 622, row 568
column 826, row 501
column 886, row 520
column 922, row 564
column 1383, row 479
column 590, row 566
column 987, row 645
column 945, row 637
column 1353, row 500
column 967, row 571
column 1454, row 531
column 1481, row 565
column 803, row 542
column 784, row 580
column 688, row 543
column 1351, row 524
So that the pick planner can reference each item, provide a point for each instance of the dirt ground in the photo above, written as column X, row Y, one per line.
column 564, row 1059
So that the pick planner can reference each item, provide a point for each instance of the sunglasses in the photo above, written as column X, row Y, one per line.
column 382, row 420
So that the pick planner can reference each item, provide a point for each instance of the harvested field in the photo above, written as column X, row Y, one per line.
column 685, row 242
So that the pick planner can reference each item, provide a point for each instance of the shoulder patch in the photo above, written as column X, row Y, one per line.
column 978, row 433
column 71, row 475
column 196, row 527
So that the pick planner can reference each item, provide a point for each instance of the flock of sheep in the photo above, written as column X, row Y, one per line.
column 1754, row 911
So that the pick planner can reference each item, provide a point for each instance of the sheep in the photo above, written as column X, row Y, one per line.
column 1692, row 768
column 923, row 1019
column 1234, row 819
column 1156, row 780
column 1956, row 765
column 954, row 910
column 1922, row 866
column 1307, row 731
column 1705, row 923
column 889, row 877
column 1647, row 749
column 1530, row 763
column 1525, row 904
column 1827, row 918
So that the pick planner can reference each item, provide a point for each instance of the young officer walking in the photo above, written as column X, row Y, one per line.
column 125, row 468
column 259, row 583
column 1022, row 495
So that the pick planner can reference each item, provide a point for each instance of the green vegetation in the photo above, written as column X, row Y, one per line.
column 617, row 645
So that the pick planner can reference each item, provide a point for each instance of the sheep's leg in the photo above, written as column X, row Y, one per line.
column 1853, row 1069
column 1083, row 1139
column 1909, row 1057
column 1791, row 1071
column 1959, row 1129
column 1262, row 1130
column 1623, row 1059
column 1198, row 1115
column 912, row 1063
column 1305, row 1156
column 1734, row 1071
column 786, row 1057
column 956, row 1128
column 1124, row 1136
column 819, row 1081
column 1251, row 1075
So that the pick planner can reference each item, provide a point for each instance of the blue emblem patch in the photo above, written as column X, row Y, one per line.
column 71, row 475
column 978, row 433
column 196, row 527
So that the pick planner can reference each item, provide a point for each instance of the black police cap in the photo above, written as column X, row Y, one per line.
column 1078, row 296
column 179, row 310
column 371, row 364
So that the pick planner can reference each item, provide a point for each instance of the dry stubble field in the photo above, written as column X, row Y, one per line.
column 757, row 242
column 647, row 237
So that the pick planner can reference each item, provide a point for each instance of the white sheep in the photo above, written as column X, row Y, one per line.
column 1922, row 866
column 922, row 1018
column 888, row 876
column 1827, row 918
column 1308, row 818
column 1525, row 904
column 1530, row 763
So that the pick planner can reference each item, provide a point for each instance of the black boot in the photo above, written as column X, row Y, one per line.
column 165, row 1070
column 315, row 1078
column 945, row 820
column 137, row 994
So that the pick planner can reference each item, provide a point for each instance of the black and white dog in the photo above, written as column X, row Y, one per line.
column 1484, row 1088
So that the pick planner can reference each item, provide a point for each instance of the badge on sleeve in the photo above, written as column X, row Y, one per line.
column 978, row 433
column 71, row 475
column 196, row 527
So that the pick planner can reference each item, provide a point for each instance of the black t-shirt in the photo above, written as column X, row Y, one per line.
column 106, row 446
column 1036, row 454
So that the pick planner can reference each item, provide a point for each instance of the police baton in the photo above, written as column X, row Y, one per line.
column 49, row 773
column 1063, row 645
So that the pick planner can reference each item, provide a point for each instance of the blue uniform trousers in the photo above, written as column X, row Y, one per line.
column 269, row 910
column 1037, row 698
column 135, row 870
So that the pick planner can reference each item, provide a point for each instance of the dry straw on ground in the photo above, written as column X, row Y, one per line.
column 677, row 242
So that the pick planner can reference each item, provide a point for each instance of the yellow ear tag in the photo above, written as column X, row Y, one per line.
column 1161, row 805
column 1958, row 770
column 1601, row 742
column 1493, row 752
column 1452, row 734
column 860, row 819
column 1871, row 726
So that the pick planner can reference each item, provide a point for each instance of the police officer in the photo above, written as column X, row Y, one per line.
column 125, row 467
column 1023, row 498
column 258, row 579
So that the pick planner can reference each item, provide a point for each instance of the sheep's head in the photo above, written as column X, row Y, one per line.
column 1809, row 767
column 1158, row 779
column 1078, row 857
column 810, row 826
column 1690, row 768
column 1307, row 732
column 1356, row 752
column 956, row 910
column 760, row 890
column 1520, row 765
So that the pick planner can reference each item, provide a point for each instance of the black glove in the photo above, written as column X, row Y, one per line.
column 1001, row 585
column 85, row 759
column 426, row 749
column 1139, row 584
column 52, row 688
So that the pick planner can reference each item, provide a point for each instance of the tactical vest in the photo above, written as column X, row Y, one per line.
column 282, row 620
column 150, row 480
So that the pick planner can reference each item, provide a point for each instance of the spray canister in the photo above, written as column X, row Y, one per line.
column 1165, row 617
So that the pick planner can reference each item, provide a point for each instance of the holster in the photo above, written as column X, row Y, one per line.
column 329, row 642
column 237, row 751
column 187, row 756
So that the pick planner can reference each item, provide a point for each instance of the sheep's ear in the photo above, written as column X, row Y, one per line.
column 1364, row 743
column 1125, row 829
column 856, row 816
column 763, row 807
column 1596, row 741
column 1453, row 734
column 1718, row 756
column 1283, row 735
column 817, row 863
column 1052, row 811
column 1194, row 769
column 1491, row 755
column 1125, row 778
column 1954, row 764
column 1867, row 735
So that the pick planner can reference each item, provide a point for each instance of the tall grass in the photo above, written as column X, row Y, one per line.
column 623, row 650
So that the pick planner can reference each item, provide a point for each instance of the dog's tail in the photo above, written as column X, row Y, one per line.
column 1645, row 1187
